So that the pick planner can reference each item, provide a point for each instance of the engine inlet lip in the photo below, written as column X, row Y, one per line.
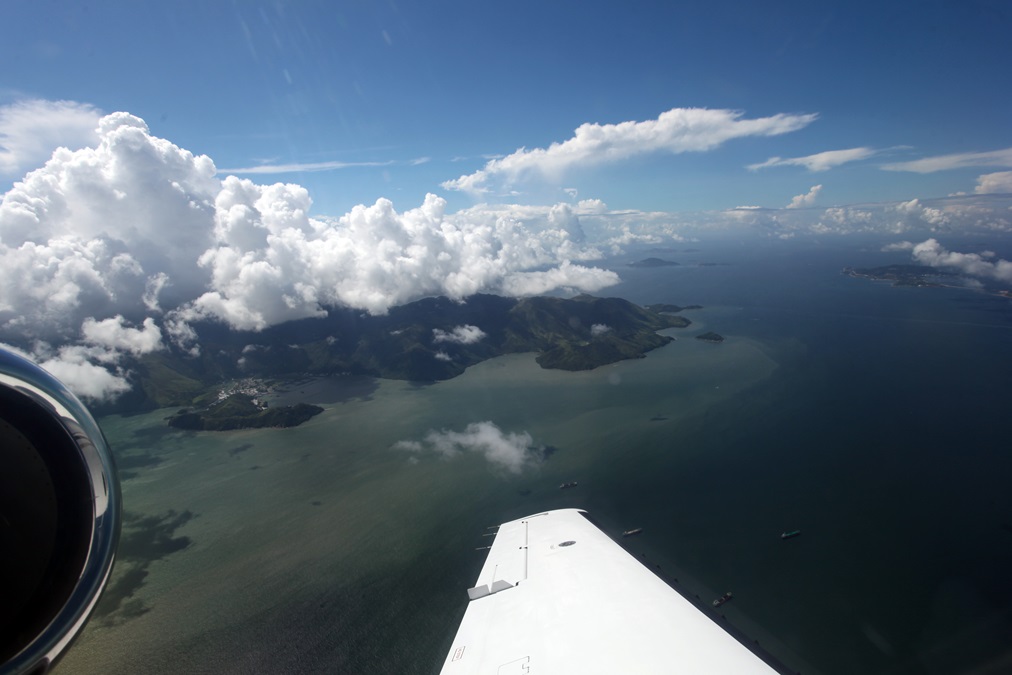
column 83, row 453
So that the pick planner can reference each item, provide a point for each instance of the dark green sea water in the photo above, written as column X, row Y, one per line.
column 872, row 418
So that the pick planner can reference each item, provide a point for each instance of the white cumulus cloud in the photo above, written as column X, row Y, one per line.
column 915, row 211
column 511, row 451
column 114, row 334
column 675, row 131
column 93, row 229
column 462, row 335
column 807, row 199
column 998, row 182
column 932, row 253
column 273, row 263
column 566, row 276
column 85, row 378
column 78, row 368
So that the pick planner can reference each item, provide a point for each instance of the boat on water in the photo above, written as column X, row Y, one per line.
column 722, row 599
column 571, row 484
column 791, row 534
column 629, row 533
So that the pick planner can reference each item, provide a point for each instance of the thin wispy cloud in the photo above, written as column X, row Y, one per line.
column 960, row 160
column 675, row 131
column 31, row 130
column 309, row 167
column 485, row 156
column 820, row 161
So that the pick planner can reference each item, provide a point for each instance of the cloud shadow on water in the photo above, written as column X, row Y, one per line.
column 232, row 452
column 132, row 465
column 144, row 540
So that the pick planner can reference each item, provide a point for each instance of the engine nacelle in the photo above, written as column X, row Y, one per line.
column 59, row 516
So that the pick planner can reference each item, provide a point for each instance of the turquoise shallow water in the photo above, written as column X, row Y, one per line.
column 867, row 416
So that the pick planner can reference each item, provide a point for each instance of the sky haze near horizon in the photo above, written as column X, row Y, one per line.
column 254, row 163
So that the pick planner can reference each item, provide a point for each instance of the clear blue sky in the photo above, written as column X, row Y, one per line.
column 392, row 83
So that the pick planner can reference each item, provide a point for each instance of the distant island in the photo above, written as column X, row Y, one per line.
column 902, row 275
column 424, row 341
column 919, row 276
column 241, row 411
column 653, row 262
column 710, row 337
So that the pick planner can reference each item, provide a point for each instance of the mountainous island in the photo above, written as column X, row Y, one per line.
column 428, row 340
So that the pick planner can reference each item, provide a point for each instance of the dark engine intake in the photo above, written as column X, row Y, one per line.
column 59, row 516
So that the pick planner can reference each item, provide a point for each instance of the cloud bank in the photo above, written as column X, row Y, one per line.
column 511, row 452
column 675, row 131
column 118, row 247
column 114, row 249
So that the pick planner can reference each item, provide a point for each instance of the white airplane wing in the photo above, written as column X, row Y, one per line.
column 557, row 595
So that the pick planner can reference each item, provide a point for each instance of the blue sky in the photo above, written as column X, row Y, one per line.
column 251, row 163
column 377, row 87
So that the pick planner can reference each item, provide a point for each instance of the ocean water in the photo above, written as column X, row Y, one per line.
column 872, row 418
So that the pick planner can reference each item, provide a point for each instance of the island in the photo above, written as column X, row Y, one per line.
column 919, row 276
column 710, row 337
column 653, row 262
column 241, row 411
column 424, row 341
column 902, row 275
